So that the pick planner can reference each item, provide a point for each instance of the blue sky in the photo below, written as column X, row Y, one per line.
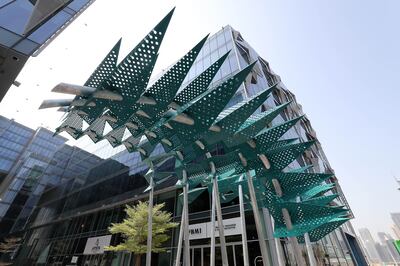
column 339, row 57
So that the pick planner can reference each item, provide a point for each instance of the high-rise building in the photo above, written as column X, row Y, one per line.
column 24, row 158
column 392, row 256
column 370, row 246
column 396, row 231
column 68, row 216
column 31, row 161
column 396, row 218
column 27, row 27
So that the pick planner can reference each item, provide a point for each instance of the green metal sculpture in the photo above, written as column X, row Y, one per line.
column 192, row 123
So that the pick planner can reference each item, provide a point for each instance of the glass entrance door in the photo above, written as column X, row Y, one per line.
column 200, row 255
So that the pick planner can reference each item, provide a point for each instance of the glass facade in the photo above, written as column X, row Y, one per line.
column 16, row 16
column 25, row 156
column 93, row 190
column 26, row 28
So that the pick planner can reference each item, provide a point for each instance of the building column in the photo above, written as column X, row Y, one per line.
column 220, row 223
column 293, row 240
column 243, row 223
column 310, row 251
column 270, row 237
column 150, row 223
column 212, row 251
column 257, row 220
column 180, row 240
column 186, row 253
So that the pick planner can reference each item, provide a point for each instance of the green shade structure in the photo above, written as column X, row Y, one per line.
column 229, row 152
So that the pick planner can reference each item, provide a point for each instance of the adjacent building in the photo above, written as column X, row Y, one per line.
column 70, row 216
column 390, row 251
column 30, row 162
column 396, row 218
column 25, row 155
column 370, row 246
column 27, row 27
column 396, row 231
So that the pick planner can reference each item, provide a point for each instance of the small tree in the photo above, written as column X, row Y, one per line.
column 134, row 229
column 9, row 245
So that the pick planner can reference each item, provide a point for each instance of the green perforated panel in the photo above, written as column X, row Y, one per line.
column 132, row 75
column 321, row 231
column 232, row 118
column 99, row 78
column 114, row 137
column 317, row 190
column 206, row 109
column 198, row 125
column 72, row 125
column 164, row 89
column 268, row 136
column 95, row 130
column 105, row 69
column 253, row 125
column 304, row 217
column 293, row 184
column 323, row 200
column 283, row 156
column 200, row 84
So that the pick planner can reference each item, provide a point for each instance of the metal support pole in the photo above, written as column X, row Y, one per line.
column 279, row 251
column 180, row 240
column 310, row 252
column 243, row 223
column 150, row 223
column 286, row 216
column 278, row 246
column 270, row 236
column 220, row 223
column 186, row 253
column 257, row 220
column 212, row 255
column 293, row 240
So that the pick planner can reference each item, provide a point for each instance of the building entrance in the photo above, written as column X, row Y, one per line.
column 200, row 255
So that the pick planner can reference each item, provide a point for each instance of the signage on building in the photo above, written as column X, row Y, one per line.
column 95, row 245
column 203, row 230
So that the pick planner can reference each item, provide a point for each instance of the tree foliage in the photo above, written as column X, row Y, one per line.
column 134, row 229
column 9, row 244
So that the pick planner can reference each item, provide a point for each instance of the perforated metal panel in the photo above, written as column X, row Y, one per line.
column 195, row 122
column 323, row 230
column 200, row 84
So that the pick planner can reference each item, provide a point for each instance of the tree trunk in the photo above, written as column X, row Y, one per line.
column 138, row 260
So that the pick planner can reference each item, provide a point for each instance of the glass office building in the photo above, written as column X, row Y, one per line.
column 82, row 207
column 26, row 27
column 25, row 154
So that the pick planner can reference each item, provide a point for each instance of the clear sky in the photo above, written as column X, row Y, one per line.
column 340, row 58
